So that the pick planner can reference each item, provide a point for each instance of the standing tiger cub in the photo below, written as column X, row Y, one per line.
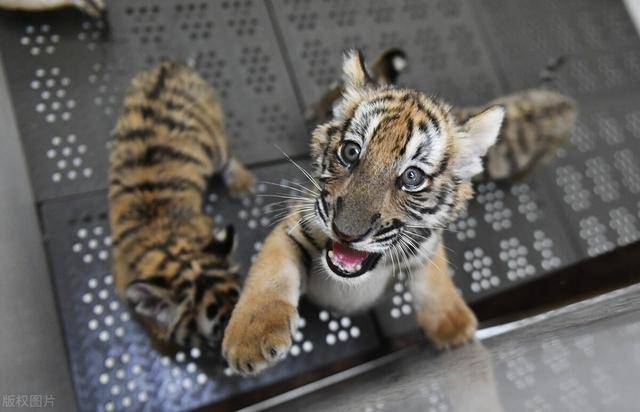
column 176, row 275
column 393, row 168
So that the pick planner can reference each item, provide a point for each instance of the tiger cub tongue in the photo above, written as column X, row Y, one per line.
column 346, row 257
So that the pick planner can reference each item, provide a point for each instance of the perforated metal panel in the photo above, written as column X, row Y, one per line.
column 447, row 55
column 72, row 75
column 114, row 365
column 597, row 37
column 266, row 59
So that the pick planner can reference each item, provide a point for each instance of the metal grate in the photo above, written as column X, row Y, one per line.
column 262, row 57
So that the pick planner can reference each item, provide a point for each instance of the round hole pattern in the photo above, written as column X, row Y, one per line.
column 573, row 394
column 583, row 138
column 624, row 223
column 343, row 13
column 90, row 33
column 260, row 77
column 92, row 243
column 583, row 77
column 544, row 245
column 401, row 300
column 302, row 18
column 108, row 95
column 235, row 127
column 39, row 39
column 109, row 319
column 610, row 129
column 147, row 28
column 192, row 21
column 254, row 212
column 416, row 9
column 537, row 403
column 520, row 372
column 213, row 67
column 496, row 213
column 478, row 265
column 612, row 73
column 240, row 16
column 632, row 121
column 274, row 121
column 67, row 153
column 318, row 57
column 627, row 163
column 514, row 255
column 464, row 227
column 555, row 355
column 594, row 233
column 575, row 195
column 300, row 344
column 381, row 11
column 526, row 201
column 52, row 88
column 606, row 187
column 340, row 328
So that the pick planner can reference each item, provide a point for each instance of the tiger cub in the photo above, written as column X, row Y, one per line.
column 176, row 275
column 392, row 169
column 538, row 121
column 385, row 70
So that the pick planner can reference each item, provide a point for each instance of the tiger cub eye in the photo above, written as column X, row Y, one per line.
column 350, row 152
column 412, row 178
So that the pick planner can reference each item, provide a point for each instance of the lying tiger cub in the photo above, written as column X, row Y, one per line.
column 393, row 168
column 168, row 266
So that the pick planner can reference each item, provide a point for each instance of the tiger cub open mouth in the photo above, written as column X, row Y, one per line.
column 347, row 262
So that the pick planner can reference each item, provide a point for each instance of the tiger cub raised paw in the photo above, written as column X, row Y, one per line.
column 449, row 327
column 259, row 336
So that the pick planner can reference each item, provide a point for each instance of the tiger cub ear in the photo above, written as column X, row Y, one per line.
column 388, row 66
column 477, row 135
column 152, row 302
column 223, row 242
column 354, row 72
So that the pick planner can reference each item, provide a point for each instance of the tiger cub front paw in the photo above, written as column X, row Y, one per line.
column 449, row 325
column 259, row 336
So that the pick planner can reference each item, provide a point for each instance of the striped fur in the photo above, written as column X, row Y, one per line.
column 366, row 217
column 167, row 262
column 537, row 123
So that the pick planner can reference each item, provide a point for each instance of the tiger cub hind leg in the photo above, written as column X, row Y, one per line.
column 444, row 316
column 238, row 179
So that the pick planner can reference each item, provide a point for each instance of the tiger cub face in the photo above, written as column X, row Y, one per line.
column 394, row 166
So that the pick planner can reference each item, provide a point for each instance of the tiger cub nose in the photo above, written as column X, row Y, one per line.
column 343, row 236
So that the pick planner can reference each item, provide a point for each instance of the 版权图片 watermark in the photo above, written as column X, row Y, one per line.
column 20, row 400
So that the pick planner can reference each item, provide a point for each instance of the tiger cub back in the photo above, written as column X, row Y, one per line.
column 168, row 265
column 536, row 124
